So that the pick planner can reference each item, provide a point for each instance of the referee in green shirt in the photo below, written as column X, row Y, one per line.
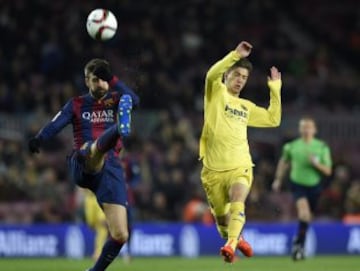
column 309, row 159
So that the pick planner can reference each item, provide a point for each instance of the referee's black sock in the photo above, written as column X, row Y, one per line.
column 301, row 235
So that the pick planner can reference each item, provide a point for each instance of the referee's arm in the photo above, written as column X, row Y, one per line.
column 324, row 169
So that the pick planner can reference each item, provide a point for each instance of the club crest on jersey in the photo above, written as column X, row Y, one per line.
column 109, row 102
column 99, row 116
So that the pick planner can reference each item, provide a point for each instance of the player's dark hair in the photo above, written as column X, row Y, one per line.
column 94, row 63
column 242, row 63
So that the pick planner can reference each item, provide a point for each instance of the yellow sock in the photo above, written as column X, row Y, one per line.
column 101, row 235
column 223, row 230
column 236, row 223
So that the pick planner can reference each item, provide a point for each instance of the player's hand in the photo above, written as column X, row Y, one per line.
column 104, row 73
column 276, row 185
column 244, row 49
column 34, row 145
column 274, row 74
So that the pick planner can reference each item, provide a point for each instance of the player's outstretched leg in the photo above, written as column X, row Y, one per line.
column 96, row 151
column 109, row 138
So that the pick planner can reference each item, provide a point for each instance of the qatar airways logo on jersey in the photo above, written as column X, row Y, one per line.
column 99, row 116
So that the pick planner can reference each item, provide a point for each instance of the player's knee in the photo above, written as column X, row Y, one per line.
column 238, row 192
column 305, row 215
column 120, row 235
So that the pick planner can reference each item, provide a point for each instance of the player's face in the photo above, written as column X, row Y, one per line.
column 97, row 87
column 307, row 128
column 236, row 79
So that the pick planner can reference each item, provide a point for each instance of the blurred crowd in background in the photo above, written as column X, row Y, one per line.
column 163, row 51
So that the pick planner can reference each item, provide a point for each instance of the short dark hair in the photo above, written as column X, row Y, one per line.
column 308, row 118
column 94, row 63
column 242, row 63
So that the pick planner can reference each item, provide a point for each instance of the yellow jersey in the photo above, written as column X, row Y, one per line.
column 223, row 143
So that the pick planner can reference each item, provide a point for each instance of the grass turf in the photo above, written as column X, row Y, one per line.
column 319, row 263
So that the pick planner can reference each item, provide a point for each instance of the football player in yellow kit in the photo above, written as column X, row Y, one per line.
column 224, row 150
column 96, row 220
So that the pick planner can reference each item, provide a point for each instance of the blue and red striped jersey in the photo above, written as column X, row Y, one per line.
column 89, row 117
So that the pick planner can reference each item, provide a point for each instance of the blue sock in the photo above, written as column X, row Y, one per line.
column 109, row 252
column 108, row 139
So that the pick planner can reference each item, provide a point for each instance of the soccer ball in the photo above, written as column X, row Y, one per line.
column 101, row 24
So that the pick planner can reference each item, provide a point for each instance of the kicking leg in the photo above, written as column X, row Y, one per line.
column 108, row 140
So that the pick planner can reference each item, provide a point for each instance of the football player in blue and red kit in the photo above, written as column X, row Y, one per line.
column 100, row 120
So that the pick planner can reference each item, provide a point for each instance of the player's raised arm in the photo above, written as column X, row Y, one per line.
column 270, row 117
column 58, row 122
column 104, row 73
column 216, row 72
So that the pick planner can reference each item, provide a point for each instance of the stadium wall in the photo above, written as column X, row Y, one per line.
column 187, row 240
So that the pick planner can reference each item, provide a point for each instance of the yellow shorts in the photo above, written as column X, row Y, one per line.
column 217, row 184
column 93, row 213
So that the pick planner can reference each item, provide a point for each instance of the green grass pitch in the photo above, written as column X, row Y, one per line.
column 319, row 263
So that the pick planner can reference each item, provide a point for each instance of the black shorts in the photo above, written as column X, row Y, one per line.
column 311, row 193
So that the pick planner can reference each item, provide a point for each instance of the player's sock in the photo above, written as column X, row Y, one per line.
column 110, row 251
column 223, row 230
column 301, row 235
column 236, row 223
column 108, row 139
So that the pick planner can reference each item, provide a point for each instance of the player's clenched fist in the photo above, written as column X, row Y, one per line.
column 244, row 49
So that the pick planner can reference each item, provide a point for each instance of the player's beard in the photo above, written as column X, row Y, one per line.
column 98, row 93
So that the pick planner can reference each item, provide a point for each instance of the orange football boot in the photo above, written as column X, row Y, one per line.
column 245, row 247
column 228, row 253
